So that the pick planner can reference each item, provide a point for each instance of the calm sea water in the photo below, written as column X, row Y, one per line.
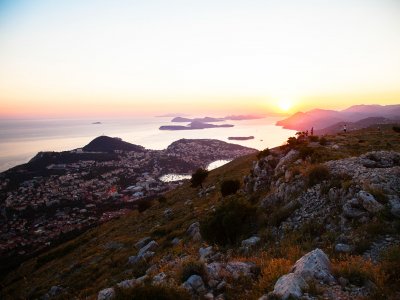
column 20, row 140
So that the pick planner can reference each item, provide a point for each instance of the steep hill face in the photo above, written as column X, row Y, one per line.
column 316, row 218
column 109, row 144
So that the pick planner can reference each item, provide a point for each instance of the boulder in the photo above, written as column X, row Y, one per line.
column 168, row 213
column 152, row 245
column 106, row 294
column 195, row 285
column 395, row 206
column 127, row 284
column 343, row 248
column 238, row 268
column 159, row 278
column 314, row 265
column 205, row 252
column 369, row 203
column 194, row 232
column 175, row 241
column 143, row 242
column 251, row 242
column 289, row 286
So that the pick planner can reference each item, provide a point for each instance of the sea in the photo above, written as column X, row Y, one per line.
column 22, row 139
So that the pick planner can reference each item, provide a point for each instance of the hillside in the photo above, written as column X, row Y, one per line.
column 331, row 204
column 321, row 119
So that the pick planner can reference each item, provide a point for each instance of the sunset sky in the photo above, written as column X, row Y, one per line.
column 83, row 57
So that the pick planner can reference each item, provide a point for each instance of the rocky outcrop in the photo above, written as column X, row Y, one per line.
column 194, row 232
column 314, row 266
column 106, row 294
column 145, row 252
column 195, row 285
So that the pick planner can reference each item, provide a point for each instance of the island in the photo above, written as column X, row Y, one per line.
column 96, row 123
column 241, row 138
column 193, row 126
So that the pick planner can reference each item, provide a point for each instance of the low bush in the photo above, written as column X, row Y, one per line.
column 198, row 177
column 280, row 214
column 358, row 270
column 391, row 264
column 396, row 129
column 317, row 174
column 313, row 138
column 263, row 153
column 233, row 219
column 323, row 141
column 229, row 187
column 191, row 267
column 305, row 152
column 151, row 292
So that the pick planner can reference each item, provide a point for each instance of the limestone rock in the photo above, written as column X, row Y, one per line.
column 205, row 252
column 106, row 294
column 395, row 206
column 152, row 245
column 314, row 265
column 369, row 203
column 239, row 268
column 343, row 248
column 251, row 242
column 195, row 285
column 143, row 242
column 194, row 232
column 159, row 278
column 290, row 285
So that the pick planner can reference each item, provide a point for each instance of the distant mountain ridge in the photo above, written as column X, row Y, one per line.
column 321, row 118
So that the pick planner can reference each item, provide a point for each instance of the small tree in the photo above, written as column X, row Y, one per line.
column 229, row 187
column 198, row 177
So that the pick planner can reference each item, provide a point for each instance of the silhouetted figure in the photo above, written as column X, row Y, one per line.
column 312, row 131
column 344, row 128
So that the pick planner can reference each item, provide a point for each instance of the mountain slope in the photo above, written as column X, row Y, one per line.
column 296, row 212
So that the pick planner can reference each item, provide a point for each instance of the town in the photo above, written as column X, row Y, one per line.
column 70, row 197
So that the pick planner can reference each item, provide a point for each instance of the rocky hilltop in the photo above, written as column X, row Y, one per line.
column 317, row 218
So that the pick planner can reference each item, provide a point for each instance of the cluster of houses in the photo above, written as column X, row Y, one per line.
column 89, row 192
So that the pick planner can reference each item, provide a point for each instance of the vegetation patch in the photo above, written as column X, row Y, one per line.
column 229, row 187
column 192, row 267
column 233, row 219
column 317, row 174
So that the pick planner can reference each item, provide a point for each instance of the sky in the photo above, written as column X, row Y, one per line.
column 95, row 57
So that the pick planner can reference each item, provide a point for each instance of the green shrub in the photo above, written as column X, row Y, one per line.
column 317, row 174
column 323, row 141
column 151, row 292
column 192, row 267
column 278, row 215
column 305, row 152
column 232, row 220
column 198, row 177
column 313, row 138
column 396, row 129
column 391, row 264
column 263, row 153
column 229, row 187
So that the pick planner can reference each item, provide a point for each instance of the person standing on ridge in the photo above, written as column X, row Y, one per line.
column 312, row 131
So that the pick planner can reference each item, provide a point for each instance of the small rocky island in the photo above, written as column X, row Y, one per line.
column 240, row 138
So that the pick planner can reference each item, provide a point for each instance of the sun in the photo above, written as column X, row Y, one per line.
column 285, row 104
